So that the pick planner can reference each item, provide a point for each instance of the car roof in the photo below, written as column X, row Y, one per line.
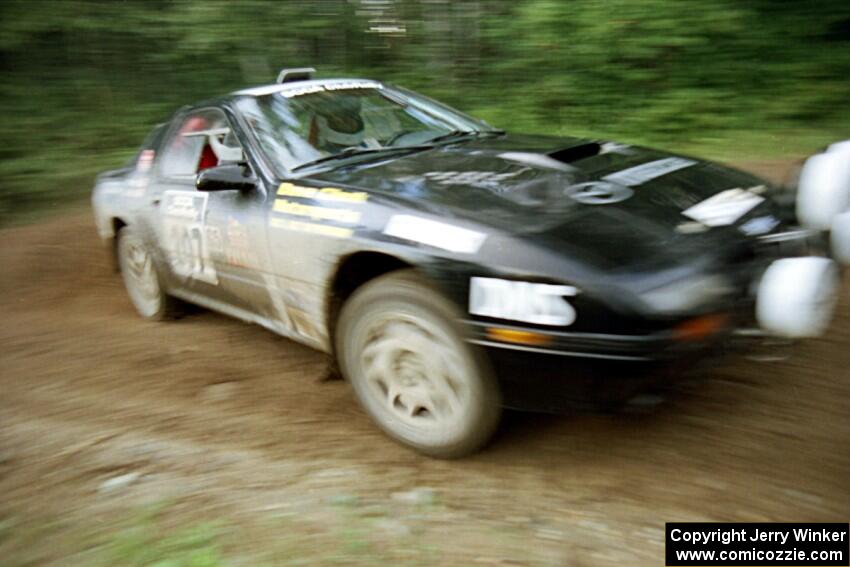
column 308, row 85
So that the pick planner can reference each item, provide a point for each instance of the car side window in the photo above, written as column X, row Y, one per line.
column 204, row 139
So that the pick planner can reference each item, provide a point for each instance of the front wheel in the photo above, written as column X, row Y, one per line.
column 141, row 279
column 398, row 344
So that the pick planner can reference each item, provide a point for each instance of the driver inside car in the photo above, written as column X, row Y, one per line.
column 337, row 124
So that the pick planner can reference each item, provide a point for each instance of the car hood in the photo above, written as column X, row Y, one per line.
column 622, row 204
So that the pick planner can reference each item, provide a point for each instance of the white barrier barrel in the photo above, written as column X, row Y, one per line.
column 840, row 238
column 797, row 297
column 824, row 188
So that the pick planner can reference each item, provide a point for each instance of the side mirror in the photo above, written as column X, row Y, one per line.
column 230, row 177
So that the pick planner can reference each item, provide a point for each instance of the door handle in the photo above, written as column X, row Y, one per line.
column 155, row 201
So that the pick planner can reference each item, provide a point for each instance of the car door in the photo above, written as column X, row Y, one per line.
column 214, row 243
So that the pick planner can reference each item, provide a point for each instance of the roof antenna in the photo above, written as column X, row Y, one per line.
column 297, row 74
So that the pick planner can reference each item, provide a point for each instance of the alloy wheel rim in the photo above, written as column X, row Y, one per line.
column 414, row 372
column 141, row 278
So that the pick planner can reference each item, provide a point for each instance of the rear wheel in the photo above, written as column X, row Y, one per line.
column 399, row 346
column 141, row 278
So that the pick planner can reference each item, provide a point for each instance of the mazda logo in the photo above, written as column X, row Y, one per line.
column 598, row 192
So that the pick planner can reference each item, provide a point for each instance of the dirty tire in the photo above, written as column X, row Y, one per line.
column 141, row 278
column 400, row 347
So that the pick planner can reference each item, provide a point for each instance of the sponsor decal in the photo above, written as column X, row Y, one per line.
column 312, row 228
column 541, row 304
column 324, row 207
column 315, row 212
column 435, row 233
column 640, row 174
column 338, row 86
column 322, row 194
column 238, row 250
column 724, row 208
column 759, row 225
column 483, row 179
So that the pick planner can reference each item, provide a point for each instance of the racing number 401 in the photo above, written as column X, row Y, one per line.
column 183, row 220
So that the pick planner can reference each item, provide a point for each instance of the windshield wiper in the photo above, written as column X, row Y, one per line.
column 354, row 152
column 464, row 134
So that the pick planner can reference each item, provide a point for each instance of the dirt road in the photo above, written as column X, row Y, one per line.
column 103, row 413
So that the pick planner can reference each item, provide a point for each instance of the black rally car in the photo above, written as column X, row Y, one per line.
column 451, row 267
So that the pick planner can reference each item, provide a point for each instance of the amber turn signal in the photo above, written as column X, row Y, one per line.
column 518, row 337
column 700, row 328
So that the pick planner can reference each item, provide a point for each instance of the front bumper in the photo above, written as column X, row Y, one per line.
column 663, row 345
column 588, row 371
column 552, row 369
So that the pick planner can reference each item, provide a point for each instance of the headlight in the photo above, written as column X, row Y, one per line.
column 683, row 295
column 541, row 304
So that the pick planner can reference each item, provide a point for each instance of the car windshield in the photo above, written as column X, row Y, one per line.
column 315, row 122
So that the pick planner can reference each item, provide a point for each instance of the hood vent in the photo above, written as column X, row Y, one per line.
column 576, row 153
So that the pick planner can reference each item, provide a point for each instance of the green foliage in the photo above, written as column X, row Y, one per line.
column 84, row 80
column 142, row 546
column 165, row 535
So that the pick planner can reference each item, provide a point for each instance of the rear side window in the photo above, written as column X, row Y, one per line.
column 143, row 158
column 204, row 139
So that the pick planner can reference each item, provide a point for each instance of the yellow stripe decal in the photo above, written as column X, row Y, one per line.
column 312, row 228
column 324, row 194
column 316, row 213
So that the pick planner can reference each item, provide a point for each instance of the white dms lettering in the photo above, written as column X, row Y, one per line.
column 541, row 304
